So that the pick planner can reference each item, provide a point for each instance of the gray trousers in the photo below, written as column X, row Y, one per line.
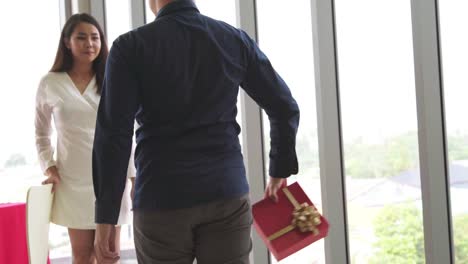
column 212, row 233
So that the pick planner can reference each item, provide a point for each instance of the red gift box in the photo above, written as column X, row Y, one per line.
column 270, row 217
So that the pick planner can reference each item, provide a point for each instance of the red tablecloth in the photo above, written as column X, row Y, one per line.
column 13, row 245
column 13, row 240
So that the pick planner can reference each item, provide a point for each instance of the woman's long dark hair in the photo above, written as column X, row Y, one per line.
column 64, row 58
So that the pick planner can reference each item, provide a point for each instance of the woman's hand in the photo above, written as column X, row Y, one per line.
column 53, row 177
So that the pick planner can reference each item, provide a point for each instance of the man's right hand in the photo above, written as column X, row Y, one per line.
column 53, row 177
column 274, row 185
column 104, row 244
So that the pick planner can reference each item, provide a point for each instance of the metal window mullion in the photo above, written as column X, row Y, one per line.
column 432, row 139
column 329, row 132
column 252, row 136
column 137, row 15
column 65, row 9
column 81, row 6
column 97, row 8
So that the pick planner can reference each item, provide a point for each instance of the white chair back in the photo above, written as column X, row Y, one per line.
column 38, row 208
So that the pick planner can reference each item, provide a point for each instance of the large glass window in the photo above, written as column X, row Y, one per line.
column 30, row 40
column 378, row 106
column 224, row 10
column 149, row 16
column 285, row 35
column 117, row 19
column 454, row 40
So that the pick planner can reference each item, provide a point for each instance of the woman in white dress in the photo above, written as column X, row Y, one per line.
column 70, row 95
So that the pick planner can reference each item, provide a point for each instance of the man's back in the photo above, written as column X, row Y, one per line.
column 190, row 67
column 180, row 74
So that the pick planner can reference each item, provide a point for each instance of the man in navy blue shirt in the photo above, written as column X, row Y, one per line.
column 179, row 78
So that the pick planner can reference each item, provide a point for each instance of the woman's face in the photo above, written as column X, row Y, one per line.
column 84, row 43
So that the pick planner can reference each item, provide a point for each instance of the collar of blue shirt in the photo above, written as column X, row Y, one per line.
column 177, row 6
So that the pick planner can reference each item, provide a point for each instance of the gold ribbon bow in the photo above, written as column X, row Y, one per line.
column 305, row 218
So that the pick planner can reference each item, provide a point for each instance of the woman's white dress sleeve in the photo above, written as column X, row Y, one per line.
column 43, row 128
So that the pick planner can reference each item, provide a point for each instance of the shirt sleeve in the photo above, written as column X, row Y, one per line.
column 43, row 129
column 114, row 131
column 264, row 85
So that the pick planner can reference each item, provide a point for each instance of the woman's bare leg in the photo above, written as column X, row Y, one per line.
column 82, row 242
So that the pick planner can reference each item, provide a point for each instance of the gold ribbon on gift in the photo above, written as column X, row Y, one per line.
column 305, row 218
